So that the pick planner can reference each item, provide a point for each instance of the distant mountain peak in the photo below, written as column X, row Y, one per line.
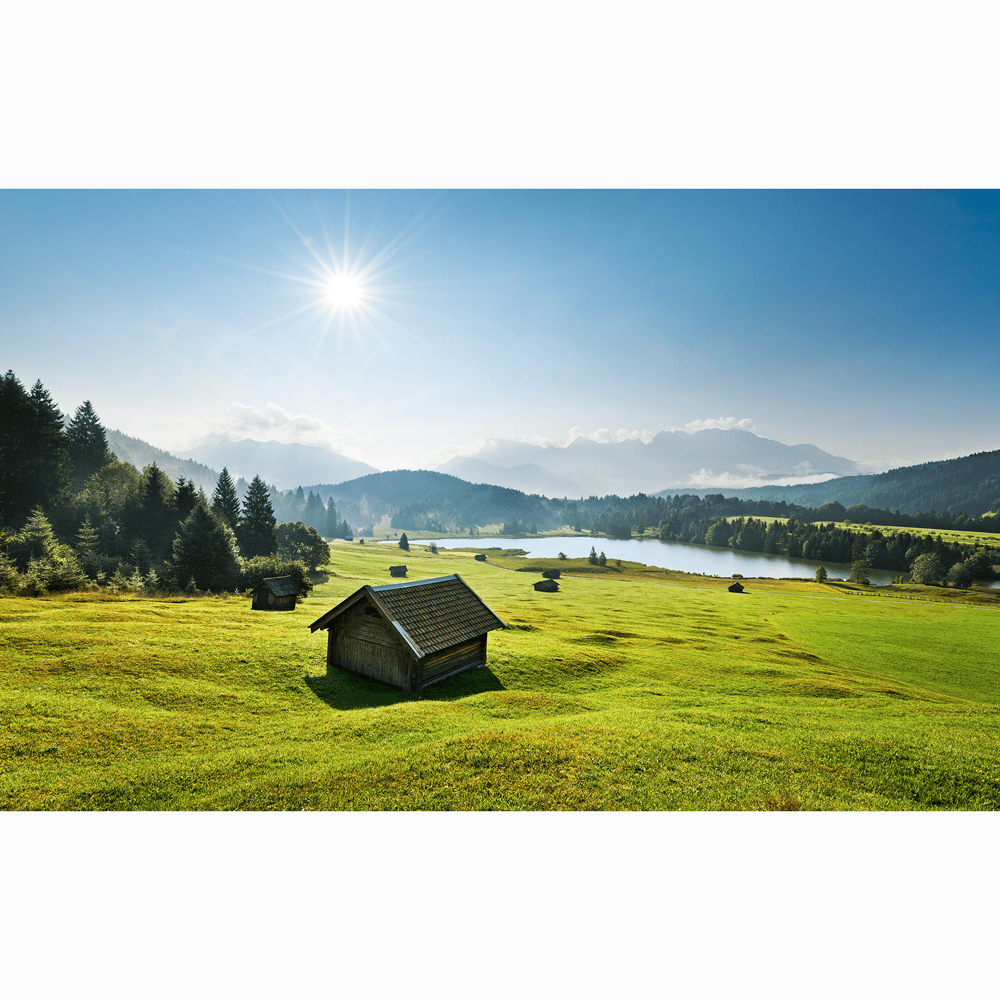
column 711, row 456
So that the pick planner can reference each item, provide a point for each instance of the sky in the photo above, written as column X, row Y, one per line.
column 861, row 321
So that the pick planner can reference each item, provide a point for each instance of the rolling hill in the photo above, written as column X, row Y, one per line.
column 970, row 485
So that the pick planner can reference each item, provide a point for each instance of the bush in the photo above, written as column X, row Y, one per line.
column 262, row 567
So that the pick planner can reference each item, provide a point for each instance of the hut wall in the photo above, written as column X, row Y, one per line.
column 360, row 641
column 453, row 660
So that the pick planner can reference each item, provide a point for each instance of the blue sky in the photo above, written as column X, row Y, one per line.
column 864, row 322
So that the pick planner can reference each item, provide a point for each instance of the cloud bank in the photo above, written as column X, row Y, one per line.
column 720, row 424
column 274, row 423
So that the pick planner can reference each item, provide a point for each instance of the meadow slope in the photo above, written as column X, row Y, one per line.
column 632, row 689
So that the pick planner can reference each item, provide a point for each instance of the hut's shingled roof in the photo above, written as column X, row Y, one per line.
column 431, row 615
column 281, row 586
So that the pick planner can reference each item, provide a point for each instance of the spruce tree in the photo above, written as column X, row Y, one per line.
column 185, row 497
column 315, row 512
column 205, row 551
column 16, row 452
column 155, row 519
column 225, row 502
column 88, row 444
column 332, row 527
column 51, row 466
column 86, row 537
column 257, row 531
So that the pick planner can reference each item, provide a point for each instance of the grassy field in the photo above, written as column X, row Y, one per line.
column 629, row 689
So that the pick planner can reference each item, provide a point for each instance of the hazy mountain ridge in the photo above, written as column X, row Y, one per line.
column 525, row 478
column 284, row 466
column 706, row 459
column 140, row 454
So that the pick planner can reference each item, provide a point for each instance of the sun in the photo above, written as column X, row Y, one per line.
column 343, row 292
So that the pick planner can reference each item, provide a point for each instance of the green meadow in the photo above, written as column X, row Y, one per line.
column 632, row 688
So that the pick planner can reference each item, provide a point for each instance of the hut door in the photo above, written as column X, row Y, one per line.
column 270, row 598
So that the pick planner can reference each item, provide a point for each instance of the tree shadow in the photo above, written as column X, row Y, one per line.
column 344, row 691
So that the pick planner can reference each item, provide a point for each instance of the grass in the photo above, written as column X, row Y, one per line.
column 631, row 688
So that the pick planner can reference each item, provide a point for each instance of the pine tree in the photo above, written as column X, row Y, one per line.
column 16, row 452
column 332, row 527
column 315, row 512
column 205, row 551
column 185, row 497
column 256, row 533
column 86, row 537
column 36, row 541
column 51, row 466
column 225, row 502
column 155, row 519
column 404, row 542
column 88, row 444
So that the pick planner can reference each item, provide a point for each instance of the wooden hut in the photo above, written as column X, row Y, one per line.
column 397, row 571
column 547, row 586
column 275, row 593
column 551, row 574
column 480, row 557
column 409, row 634
column 736, row 588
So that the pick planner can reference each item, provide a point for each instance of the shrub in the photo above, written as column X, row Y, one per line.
column 260, row 567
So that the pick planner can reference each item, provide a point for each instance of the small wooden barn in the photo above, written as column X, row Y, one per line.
column 397, row 571
column 409, row 634
column 547, row 586
column 480, row 557
column 275, row 593
column 551, row 574
column 736, row 588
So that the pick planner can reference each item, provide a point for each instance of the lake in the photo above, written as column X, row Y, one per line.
column 667, row 555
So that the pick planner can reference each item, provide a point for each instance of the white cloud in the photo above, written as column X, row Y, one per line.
column 604, row 435
column 274, row 423
column 705, row 479
column 721, row 424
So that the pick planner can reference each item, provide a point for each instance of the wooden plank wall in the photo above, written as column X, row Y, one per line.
column 362, row 642
column 453, row 660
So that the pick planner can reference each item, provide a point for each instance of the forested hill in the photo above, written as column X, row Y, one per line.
column 140, row 454
column 431, row 500
column 970, row 485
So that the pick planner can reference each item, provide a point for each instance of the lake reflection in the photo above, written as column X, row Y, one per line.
column 666, row 555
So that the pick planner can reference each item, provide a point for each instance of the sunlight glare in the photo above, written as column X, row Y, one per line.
column 343, row 292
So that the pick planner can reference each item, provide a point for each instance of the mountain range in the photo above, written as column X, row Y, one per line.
column 673, row 461
column 283, row 466
column 719, row 459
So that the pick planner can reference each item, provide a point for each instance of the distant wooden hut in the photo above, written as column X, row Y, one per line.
column 480, row 557
column 397, row 571
column 736, row 588
column 409, row 634
column 275, row 593
column 552, row 574
column 547, row 586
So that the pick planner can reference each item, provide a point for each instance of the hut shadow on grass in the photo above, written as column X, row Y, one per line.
column 343, row 690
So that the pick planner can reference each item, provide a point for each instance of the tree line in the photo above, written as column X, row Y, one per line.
column 72, row 515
